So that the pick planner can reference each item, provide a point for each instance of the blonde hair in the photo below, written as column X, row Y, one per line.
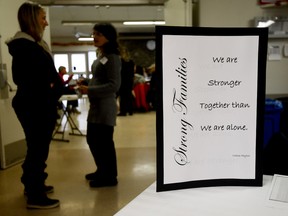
column 28, row 19
column 124, row 53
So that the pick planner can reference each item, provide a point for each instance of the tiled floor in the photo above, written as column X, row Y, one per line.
column 135, row 140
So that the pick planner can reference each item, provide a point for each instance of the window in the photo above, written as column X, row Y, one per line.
column 78, row 62
column 61, row 60
column 91, row 58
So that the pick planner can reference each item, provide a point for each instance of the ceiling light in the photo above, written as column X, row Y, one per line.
column 144, row 23
column 85, row 39
column 87, row 22
column 77, row 23
column 265, row 24
column 91, row 23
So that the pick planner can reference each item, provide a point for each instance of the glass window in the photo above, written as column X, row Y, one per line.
column 61, row 60
column 91, row 58
column 78, row 62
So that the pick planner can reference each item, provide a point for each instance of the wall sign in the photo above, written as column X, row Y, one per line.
column 210, row 119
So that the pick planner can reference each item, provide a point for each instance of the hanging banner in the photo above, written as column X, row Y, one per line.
column 210, row 118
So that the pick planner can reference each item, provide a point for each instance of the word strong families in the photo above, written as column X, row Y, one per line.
column 180, row 107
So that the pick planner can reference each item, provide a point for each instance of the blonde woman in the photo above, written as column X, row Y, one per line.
column 35, row 102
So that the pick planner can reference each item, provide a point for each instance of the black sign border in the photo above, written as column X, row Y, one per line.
column 262, row 33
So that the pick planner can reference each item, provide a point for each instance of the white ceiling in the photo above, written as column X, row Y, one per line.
column 94, row 11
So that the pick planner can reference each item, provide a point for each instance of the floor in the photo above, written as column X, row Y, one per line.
column 135, row 140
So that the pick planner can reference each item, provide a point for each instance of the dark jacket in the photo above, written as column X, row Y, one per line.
column 38, row 85
column 127, row 76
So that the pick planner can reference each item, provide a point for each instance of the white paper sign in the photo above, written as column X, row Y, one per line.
column 210, row 96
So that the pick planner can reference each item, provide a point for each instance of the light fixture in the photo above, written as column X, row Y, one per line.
column 77, row 23
column 144, row 23
column 265, row 24
column 91, row 23
column 85, row 39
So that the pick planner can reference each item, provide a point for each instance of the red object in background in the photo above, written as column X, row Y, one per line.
column 141, row 91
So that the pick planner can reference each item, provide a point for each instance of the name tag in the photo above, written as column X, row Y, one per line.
column 104, row 60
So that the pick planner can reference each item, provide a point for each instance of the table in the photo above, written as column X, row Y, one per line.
column 67, row 120
column 209, row 201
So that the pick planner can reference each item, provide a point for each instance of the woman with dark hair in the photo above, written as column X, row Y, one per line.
column 101, row 90
column 35, row 102
column 127, row 79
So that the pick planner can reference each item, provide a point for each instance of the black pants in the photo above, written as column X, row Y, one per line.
column 38, row 128
column 126, row 102
column 101, row 144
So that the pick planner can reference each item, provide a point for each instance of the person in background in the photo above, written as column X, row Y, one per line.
column 35, row 103
column 101, row 91
column 127, row 79
column 62, row 71
column 68, row 89
column 139, row 75
column 139, row 70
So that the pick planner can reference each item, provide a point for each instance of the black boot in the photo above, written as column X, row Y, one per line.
column 41, row 201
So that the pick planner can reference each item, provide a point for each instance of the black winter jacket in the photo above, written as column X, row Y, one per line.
column 38, row 83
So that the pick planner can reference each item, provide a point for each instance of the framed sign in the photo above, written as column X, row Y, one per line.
column 210, row 118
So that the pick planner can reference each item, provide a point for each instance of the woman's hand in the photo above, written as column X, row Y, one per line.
column 83, row 89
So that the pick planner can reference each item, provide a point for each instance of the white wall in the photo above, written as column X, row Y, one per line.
column 47, row 34
column 235, row 13
column 10, row 128
column 174, row 13
column 11, row 132
column 8, row 26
